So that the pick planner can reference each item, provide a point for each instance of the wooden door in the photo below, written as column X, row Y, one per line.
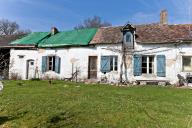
column 92, row 68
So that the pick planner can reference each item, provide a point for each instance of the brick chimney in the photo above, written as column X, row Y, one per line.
column 54, row 31
column 163, row 17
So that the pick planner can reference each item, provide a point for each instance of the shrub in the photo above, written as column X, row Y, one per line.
column 15, row 76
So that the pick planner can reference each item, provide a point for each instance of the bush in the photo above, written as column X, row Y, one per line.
column 15, row 76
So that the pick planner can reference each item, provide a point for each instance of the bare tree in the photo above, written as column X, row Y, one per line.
column 23, row 32
column 93, row 22
column 10, row 28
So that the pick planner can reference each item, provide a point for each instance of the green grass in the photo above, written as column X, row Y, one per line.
column 36, row 104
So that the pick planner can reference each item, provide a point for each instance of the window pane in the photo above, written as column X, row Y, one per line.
column 51, row 63
column 150, row 59
column 50, row 59
column 151, row 64
column 148, row 64
column 187, row 63
column 144, row 70
column 116, row 68
column 111, row 63
column 116, row 63
column 128, row 38
column 150, row 70
column 144, row 64
column 53, row 66
column 144, row 59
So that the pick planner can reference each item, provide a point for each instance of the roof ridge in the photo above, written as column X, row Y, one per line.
column 67, row 30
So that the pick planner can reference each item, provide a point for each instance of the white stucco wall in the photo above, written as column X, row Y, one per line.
column 81, row 54
column 173, row 55
column 19, row 65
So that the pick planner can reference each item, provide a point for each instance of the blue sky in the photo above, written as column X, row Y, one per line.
column 41, row 15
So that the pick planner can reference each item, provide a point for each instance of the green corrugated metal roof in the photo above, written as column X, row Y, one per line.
column 31, row 39
column 69, row 38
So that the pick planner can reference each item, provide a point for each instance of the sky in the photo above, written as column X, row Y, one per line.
column 41, row 15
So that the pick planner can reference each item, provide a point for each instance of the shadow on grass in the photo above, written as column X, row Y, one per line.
column 62, row 119
column 4, row 119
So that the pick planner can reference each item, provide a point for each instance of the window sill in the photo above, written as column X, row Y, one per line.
column 148, row 75
column 187, row 71
column 49, row 71
column 114, row 72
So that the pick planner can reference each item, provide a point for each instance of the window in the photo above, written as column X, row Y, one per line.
column 144, row 64
column 187, row 63
column 113, row 63
column 128, row 39
column 147, row 64
column 21, row 56
column 109, row 63
column 32, row 63
column 51, row 63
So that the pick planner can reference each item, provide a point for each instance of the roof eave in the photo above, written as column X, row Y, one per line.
column 162, row 42
column 21, row 46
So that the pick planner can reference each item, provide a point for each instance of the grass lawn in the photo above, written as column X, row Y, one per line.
column 37, row 104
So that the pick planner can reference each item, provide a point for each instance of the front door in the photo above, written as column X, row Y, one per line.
column 30, row 69
column 92, row 70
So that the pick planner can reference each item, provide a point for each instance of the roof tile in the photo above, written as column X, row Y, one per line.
column 149, row 33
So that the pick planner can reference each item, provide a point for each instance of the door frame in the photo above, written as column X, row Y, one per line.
column 27, row 67
column 89, row 71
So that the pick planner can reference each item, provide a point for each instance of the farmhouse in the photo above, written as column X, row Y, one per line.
column 140, row 53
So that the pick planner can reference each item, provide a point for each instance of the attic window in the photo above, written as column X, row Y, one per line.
column 128, row 39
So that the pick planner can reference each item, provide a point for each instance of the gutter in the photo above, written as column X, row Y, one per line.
column 17, row 46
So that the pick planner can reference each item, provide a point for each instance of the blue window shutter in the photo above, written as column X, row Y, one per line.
column 161, row 66
column 57, row 64
column 44, row 64
column 137, row 65
column 105, row 64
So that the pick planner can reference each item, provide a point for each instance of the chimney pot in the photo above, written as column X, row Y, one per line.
column 163, row 17
column 54, row 31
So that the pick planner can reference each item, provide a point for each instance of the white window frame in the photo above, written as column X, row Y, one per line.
column 153, row 65
column 52, row 68
column 114, row 63
column 183, row 64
